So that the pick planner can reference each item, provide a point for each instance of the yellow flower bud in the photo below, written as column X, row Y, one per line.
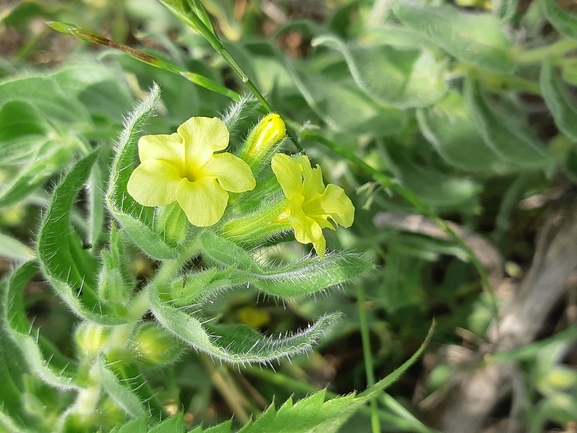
column 91, row 337
column 154, row 345
column 268, row 132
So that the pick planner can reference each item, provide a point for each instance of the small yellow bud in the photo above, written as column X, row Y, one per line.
column 91, row 337
column 268, row 132
column 154, row 345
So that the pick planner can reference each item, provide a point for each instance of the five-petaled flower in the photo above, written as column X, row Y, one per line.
column 310, row 203
column 184, row 167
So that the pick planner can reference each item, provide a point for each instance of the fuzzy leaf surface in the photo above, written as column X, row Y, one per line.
column 70, row 268
column 236, row 343
column 19, row 328
column 300, row 278
column 472, row 38
column 135, row 218
column 123, row 396
column 401, row 78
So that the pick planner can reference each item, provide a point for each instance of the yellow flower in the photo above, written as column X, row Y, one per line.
column 310, row 203
column 184, row 167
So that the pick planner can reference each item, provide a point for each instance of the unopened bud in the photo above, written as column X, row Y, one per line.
column 91, row 337
column 264, row 136
column 155, row 345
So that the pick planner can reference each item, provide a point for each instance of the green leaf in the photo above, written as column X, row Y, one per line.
column 311, row 414
column 449, row 128
column 135, row 218
column 61, row 377
column 50, row 157
column 563, row 21
column 174, row 424
column 13, row 249
column 300, row 278
column 505, row 129
column 224, row 427
column 472, row 38
column 123, row 396
column 401, row 78
column 434, row 187
column 98, row 87
column 559, row 101
column 70, row 268
column 236, row 343
column 333, row 100
column 13, row 364
column 45, row 94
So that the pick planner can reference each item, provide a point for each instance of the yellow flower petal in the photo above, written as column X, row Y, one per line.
column 306, row 229
column 320, row 246
column 233, row 173
column 153, row 183
column 312, row 206
column 338, row 205
column 203, row 200
column 183, row 167
column 161, row 146
column 202, row 137
column 288, row 173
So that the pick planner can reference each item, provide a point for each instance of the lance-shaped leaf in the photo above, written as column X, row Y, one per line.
column 61, row 375
column 473, row 38
column 560, row 18
column 70, row 268
column 504, row 129
column 135, row 218
column 236, row 343
column 300, row 278
column 559, row 101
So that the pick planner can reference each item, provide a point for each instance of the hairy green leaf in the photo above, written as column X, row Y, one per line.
column 470, row 37
column 333, row 100
column 504, row 129
column 449, row 128
column 70, row 268
column 311, row 414
column 19, row 329
column 135, row 218
column 236, row 343
column 122, row 395
column 300, row 278
column 401, row 78
column 45, row 94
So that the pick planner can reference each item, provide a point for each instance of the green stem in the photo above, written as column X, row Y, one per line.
column 212, row 38
column 536, row 55
column 368, row 356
